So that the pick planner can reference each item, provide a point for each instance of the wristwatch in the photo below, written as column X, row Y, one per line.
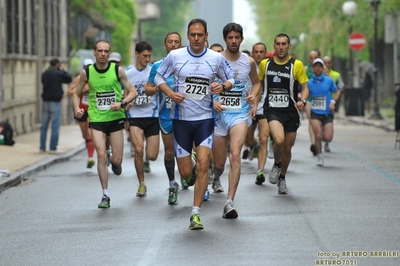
column 123, row 104
column 223, row 87
column 304, row 102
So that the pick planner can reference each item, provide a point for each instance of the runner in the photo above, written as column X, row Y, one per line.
column 172, row 41
column 106, row 111
column 143, row 115
column 195, row 69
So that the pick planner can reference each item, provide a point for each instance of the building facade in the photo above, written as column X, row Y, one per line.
column 32, row 32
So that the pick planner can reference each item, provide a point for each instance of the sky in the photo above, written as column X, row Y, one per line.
column 243, row 14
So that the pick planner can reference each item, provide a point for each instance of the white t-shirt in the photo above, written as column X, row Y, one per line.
column 143, row 106
column 193, row 76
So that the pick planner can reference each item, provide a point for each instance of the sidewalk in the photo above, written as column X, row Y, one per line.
column 23, row 159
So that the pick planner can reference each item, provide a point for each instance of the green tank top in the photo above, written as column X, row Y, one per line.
column 104, row 89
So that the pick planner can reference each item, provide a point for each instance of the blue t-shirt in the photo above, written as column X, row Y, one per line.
column 321, row 89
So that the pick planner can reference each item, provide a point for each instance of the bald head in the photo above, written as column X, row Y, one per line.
column 312, row 56
column 327, row 61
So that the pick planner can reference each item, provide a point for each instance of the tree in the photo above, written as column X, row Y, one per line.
column 116, row 16
column 172, row 18
column 322, row 21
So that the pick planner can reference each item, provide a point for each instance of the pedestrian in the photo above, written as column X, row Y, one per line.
column 321, row 88
column 83, row 122
column 106, row 111
column 143, row 115
column 235, row 110
column 337, row 79
column 172, row 41
column 195, row 69
column 281, row 108
column 52, row 80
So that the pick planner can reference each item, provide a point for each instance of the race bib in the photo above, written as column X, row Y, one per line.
column 168, row 102
column 104, row 100
column 318, row 103
column 278, row 98
column 85, row 98
column 196, row 87
column 142, row 99
column 231, row 100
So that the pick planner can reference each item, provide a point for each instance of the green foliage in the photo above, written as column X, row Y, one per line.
column 323, row 22
column 172, row 18
column 116, row 16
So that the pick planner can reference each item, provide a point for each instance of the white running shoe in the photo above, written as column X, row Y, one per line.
column 320, row 161
column 282, row 188
column 274, row 174
column 229, row 211
column 270, row 150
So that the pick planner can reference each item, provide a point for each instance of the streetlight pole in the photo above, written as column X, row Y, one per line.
column 375, row 111
column 349, row 8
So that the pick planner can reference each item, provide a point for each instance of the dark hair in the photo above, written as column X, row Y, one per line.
column 282, row 35
column 95, row 45
column 54, row 62
column 232, row 27
column 246, row 52
column 142, row 46
column 216, row 45
column 170, row 33
column 198, row 20
column 260, row 43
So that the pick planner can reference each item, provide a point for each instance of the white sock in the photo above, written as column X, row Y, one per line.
column 172, row 183
column 105, row 192
column 195, row 210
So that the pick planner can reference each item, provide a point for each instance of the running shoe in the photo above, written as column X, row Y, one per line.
column 105, row 202
column 245, row 154
column 282, row 188
column 184, row 184
column 192, row 178
column 108, row 153
column 147, row 167
column 250, row 156
column 256, row 149
column 90, row 163
column 260, row 178
column 210, row 175
column 173, row 192
column 117, row 170
column 195, row 223
column 326, row 147
column 271, row 149
column 320, row 161
column 142, row 191
column 313, row 149
column 207, row 195
column 132, row 151
column 229, row 211
column 216, row 185
column 274, row 174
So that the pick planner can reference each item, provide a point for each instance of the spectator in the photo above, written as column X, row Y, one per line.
column 52, row 80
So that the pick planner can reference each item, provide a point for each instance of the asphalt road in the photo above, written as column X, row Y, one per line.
column 341, row 213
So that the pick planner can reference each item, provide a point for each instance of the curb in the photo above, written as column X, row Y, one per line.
column 18, row 176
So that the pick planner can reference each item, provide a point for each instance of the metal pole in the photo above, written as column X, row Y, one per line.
column 350, row 72
column 375, row 111
column 39, row 57
column 1, row 62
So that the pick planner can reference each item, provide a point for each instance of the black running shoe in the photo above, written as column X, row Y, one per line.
column 117, row 170
column 313, row 149
column 245, row 154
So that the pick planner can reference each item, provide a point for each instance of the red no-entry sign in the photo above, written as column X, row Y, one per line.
column 357, row 41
